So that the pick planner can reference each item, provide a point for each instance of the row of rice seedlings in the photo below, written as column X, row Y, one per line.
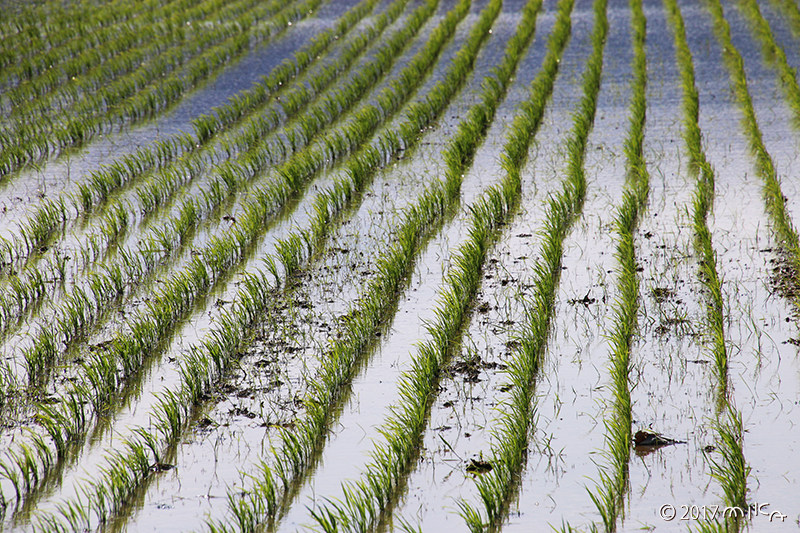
column 160, row 154
column 785, row 232
column 32, row 31
column 37, row 28
column 156, row 193
column 791, row 14
column 330, row 107
column 497, row 487
column 151, row 196
column 225, row 250
column 775, row 54
column 198, row 373
column 105, row 372
column 116, row 176
column 609, row 494
column 731, row 470
column 245, row 102
column 339, row 366
column 34, row 99
column 703, row 199
column 68, row 67
column 367, row 501
column 135, row 98
column 107, row 287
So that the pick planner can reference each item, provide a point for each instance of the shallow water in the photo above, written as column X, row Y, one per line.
column 50, row 178
column 366, row 215
column 671, row 383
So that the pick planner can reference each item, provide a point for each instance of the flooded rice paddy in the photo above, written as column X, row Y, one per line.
column 400, row 265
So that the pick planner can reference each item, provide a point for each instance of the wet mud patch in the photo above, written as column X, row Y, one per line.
column 784, row 277
column 471, row 368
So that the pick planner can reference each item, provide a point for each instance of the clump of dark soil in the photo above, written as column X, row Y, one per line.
column 471, row 368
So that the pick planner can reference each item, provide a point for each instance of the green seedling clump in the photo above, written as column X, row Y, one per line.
column 138, row 299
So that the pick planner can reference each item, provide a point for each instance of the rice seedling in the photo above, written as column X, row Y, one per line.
column 219, row 255
column 702, row 202
column 775, row 201
column 731, row 471
column 774, row 53
column 71, row 69
column 41, row 357
column 230, row 339
column 609, row 494
column 496, row 488
column 39, row 228
column 22, row 291
column 106, row 372
column 791, row 14
column 100, row 280
column 135, row 98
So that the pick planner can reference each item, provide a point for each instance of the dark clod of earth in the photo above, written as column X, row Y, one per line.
column 471, row 368
column 160, row 467
column 479, row 466
column 648, row 439
column 583, row 301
